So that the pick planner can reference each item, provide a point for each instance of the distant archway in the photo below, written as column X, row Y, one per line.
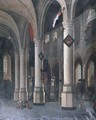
column 78, row 68
column 7, row 66
column 91, row 72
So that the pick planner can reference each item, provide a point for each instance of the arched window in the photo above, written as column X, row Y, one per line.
column 78, row 72
column 91, row 74
column 7, row 67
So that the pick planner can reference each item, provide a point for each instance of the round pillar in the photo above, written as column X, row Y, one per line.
column 17, row 68
column 23, row 95
column 39, row 94
column 83, row 72
column 67, row 95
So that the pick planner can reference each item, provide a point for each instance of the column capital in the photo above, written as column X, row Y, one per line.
column 21, row 50
column 38, row 43
column 67, row 24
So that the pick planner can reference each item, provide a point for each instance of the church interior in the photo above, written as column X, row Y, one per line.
column 43, row 62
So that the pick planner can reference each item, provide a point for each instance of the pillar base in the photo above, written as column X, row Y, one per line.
column 23, row 94
column 16, row 95
column 39, row 96
column 68, row 98
column 68, row 108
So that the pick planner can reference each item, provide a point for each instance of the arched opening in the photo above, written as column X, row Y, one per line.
column 79, row 80
column 53, row 45
column 78, row 72
column 51, row 14
column 7, row 66
column 7, row 75
column 91, row 74
column 91, row 70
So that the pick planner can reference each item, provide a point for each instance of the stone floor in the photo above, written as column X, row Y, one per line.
column 49, row 111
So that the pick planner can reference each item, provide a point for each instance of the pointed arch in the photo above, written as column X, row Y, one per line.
column 9, row 27
column 74, row 4
column 78, row 68
column 91, row 69
column 44, row 10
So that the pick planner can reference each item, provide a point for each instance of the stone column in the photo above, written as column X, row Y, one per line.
column 17, row 77
column 85, row 94
column 39, row 94
column 23, row 91
column 26, row 56
column 67, row 95
column 83, row 71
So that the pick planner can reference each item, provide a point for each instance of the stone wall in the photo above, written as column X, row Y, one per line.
column 53, row 45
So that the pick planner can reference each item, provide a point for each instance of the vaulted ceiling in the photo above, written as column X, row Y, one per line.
column 19, row 14
column 23, row 12
column 82, row 5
